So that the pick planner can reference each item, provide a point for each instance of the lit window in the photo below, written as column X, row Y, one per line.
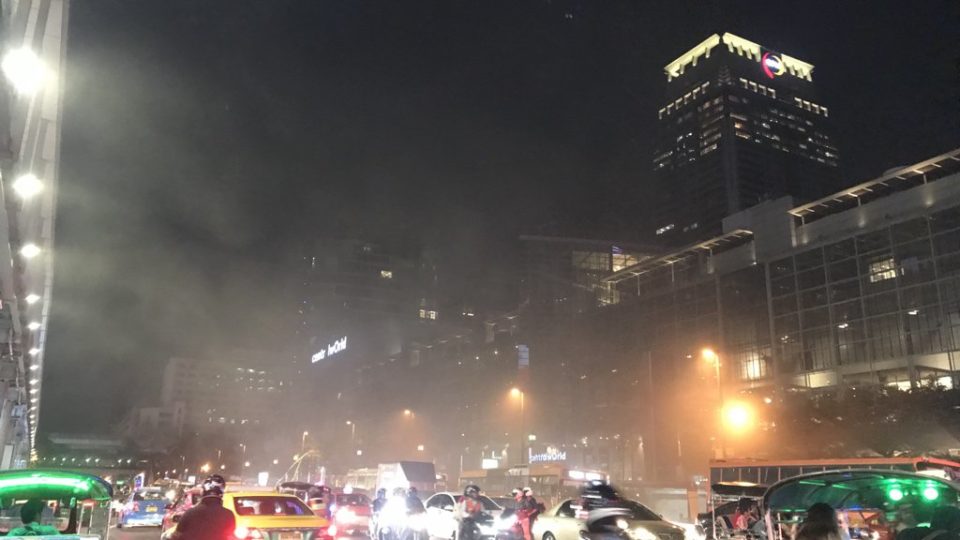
column 386, row 274
column 665, row 228
column 433, row 315
column 623, row 260
column 883, row 270
column 423, row 314
column 752, row 369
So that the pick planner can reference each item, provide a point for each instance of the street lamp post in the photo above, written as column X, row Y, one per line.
column 517, row 393
column 303, row 441
column 712, row 357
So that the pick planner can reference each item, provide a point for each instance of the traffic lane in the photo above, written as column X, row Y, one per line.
column 139, row 533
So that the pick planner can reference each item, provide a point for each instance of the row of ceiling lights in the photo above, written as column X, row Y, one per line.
column 26, row 72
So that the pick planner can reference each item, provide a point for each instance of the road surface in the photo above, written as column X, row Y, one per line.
column 146, row 533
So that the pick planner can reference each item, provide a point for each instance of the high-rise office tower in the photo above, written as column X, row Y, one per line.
column 741, row 124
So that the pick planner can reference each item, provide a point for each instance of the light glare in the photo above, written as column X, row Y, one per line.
column 32, row 298
column 27, row 186
column 34, row 325
column 30, row 250
column 24, row 69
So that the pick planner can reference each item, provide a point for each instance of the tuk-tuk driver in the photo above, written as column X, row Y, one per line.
column 30, row 514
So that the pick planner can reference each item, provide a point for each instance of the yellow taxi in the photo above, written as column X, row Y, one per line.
column 274, row 516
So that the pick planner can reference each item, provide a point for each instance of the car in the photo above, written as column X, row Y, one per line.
column 274, row 516
column 351, row 514
column 145, row 507
column 441, row 522
column 563, row 522
column 188, row 498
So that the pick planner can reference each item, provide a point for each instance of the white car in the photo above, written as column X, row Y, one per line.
column 637, row 521
column 441, row 522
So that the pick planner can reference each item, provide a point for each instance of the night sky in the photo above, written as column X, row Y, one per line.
column 206, row 142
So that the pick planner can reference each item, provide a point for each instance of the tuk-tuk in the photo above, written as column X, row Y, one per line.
column 872, row 504
column 76, row 504
column 725, row 498
column 316, row 497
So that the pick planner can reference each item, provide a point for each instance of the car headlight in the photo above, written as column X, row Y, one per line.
column 506, row 522
column 640, row 533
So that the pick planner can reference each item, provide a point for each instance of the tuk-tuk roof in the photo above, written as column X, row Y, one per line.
column 53, row 484
column 858, row 489
column 739, row 489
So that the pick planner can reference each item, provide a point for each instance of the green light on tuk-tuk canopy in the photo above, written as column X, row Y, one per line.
column 930, row 493
column 41, row 481
column 895, row 494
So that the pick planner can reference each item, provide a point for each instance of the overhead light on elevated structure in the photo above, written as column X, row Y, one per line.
column 24, row 69
column 30, row 250
column 27, row 185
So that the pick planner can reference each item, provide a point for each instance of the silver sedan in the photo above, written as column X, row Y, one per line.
column 636, row 522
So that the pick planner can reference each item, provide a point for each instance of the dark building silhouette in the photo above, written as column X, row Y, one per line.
column 742, row 124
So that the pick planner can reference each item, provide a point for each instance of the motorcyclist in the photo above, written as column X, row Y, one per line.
column 414, row 504
column 469, row 511
column 208, row 520
column 527, row 510
column 379, row 501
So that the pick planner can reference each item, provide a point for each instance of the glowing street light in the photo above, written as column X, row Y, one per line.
column 737, row 417
column 246, row 463
column 205, row 468
column 276, row 461
column 27, row 185
column 408, row 413
column 419, row 448
column 517, row 393
column 32, row 298
column 24, row 69
column 29, row 250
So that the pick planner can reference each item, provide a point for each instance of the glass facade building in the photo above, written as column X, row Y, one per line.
column 861, row 287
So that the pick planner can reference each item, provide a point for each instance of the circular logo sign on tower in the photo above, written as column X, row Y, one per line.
column 772, row 65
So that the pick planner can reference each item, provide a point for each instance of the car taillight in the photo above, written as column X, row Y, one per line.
column 243, row 533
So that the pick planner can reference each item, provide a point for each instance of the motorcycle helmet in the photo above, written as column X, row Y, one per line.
column 411, row 492
column 516, row 492
column 214, row 486
column 472, row 491
column 382, row 492
column 527, row 492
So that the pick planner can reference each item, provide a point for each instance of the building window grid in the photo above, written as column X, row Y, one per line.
column 907, row 326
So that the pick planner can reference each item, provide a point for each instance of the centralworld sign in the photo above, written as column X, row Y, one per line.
column 337, row 346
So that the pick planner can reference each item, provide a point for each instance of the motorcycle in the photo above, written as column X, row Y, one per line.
column 509, row 527
column 396, row 522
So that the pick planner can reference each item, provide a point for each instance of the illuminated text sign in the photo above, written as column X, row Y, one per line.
column 548, row 456
column 337, row 346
